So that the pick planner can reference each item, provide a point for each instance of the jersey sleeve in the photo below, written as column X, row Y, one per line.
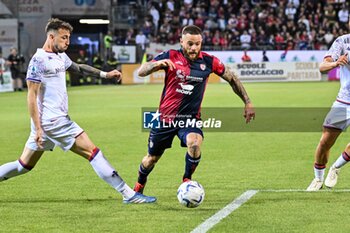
column 36, row 70
column 162, row 56
column 67, row 61
column 218, row 66
column 336, row 50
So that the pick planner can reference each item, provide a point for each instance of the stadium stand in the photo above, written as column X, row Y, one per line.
column 253, row 25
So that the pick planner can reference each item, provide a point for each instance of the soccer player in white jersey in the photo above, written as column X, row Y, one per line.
column 338, row 118
column 48, row 107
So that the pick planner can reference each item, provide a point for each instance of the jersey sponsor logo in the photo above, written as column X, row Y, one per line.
column 347, row 40
column 179, row 63
column 193, row 78
column 61, row 69
column 186, row 89
column 180, row 74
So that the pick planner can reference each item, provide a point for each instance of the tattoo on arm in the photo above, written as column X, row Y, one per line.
column 84, row 69
column 147, row 68
column 236, row 85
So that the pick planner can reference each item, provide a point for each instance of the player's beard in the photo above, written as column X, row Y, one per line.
column 60, row 49
column 191, row 55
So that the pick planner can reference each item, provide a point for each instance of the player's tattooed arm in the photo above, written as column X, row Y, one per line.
column 150, row 67
column 89, row 70
column 230, row 76
column 84, row 69
column 237, row 87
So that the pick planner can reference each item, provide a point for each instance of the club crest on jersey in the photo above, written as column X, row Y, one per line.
column 202, row 66
column 180, row 74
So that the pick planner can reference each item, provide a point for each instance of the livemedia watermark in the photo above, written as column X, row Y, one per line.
column 296, row 119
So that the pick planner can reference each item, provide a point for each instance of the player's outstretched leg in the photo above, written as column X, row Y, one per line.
column 24, row 164
column 139, row 198
column 83, row 146
column 106, row 172
column 12, row 169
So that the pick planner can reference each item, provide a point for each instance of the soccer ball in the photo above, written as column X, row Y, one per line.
column 190, row 194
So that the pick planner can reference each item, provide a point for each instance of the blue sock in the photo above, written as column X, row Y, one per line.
column 143, row 173
column 191, row 165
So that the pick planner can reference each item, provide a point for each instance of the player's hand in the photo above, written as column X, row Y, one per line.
column 166, row 63
column 39, row 138
column 249, row 112
column 343, row 60
column 114, row 74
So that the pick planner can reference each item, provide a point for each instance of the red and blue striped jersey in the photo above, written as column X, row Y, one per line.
column 184, row 86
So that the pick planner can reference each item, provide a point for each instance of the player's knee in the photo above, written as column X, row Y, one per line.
column 194, row 149
column 193, row 143
column 154, row 159
column 150, row 160
column 325, row 144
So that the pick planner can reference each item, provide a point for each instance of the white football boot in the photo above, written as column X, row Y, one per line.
column 315, row 185
column 332, row 177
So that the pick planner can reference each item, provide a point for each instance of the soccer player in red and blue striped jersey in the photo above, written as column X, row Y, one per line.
column 186, row 75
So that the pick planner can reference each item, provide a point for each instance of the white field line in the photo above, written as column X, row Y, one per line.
column 235, row 204
column 223, row 213
column 304, row 190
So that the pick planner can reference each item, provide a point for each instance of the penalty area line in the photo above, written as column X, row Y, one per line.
column 239, row 201
column 224, row 212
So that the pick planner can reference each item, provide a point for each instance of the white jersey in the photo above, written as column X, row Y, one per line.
column 340, row 47
column 49, row 69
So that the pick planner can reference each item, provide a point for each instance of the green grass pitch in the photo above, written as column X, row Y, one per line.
column 63, row 194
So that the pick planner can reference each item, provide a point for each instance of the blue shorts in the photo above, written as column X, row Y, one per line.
column 161, row 139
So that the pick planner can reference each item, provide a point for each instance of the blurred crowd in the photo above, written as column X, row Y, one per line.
column 247, row 24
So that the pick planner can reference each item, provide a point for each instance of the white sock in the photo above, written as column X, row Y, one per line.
column 12, row 169
column 106, row 172
column 319, row 171
column 342, row 160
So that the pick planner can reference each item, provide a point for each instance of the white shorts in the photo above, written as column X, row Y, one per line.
column 60, row 132
column 338, row 117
